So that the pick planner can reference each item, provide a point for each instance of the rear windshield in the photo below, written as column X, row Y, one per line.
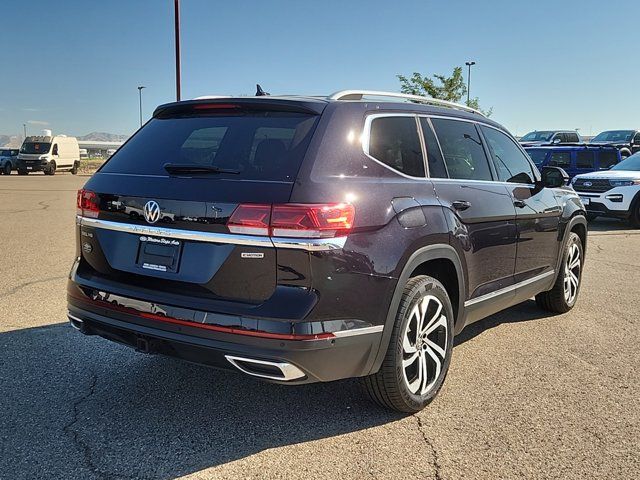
column 259, row 145
column 537, row 156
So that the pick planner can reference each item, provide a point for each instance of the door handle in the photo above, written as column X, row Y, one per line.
column 520, row 203
column 461, row 204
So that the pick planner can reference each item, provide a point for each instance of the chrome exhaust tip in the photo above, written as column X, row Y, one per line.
column 282, row 371
column 76, row 322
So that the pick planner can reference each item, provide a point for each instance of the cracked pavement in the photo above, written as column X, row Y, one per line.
column 527, row 396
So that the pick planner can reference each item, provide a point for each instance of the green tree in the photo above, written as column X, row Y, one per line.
column 451, row 88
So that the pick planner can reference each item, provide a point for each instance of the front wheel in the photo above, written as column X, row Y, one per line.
column 419, row 352
column 50, row 169
column 6, row 170
column 562, row 297
column 74, row 169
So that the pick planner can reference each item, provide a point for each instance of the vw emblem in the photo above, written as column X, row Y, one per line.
column 588, row 184
column 152, row 211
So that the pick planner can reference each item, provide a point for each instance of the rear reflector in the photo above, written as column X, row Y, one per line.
column 293, row 220
column 87, row 204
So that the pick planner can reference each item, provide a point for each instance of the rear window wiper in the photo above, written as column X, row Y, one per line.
column 196, row 168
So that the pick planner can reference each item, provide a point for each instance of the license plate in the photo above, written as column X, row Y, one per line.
column 159, row 254
column 585, row 200
column 29, row 168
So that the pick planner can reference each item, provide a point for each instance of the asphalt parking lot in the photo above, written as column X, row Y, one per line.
column 527, row 396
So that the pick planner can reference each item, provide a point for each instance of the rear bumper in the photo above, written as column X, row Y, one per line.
column 320, row 358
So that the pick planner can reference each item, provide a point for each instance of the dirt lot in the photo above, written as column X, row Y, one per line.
column 527, row 396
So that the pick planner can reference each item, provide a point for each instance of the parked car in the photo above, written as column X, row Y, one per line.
column 49, row 154
column 8, row 160
column 575, row 159
column 312, row 239
column 627, row 141
column 552, row 137
column 613, row 193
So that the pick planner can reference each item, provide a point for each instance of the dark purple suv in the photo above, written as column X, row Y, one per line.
column 305, row 239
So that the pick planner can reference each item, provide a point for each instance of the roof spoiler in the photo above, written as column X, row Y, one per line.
column 260, row 103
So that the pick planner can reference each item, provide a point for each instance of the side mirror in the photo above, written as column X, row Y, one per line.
column 554, row 177
column 557, row 140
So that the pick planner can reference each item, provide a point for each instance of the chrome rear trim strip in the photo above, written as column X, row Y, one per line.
column 510, row 288
column 309, row 244
column 359, row 331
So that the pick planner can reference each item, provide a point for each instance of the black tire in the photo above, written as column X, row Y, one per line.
column 634, row 218
column 591, row 217
column 23, row 172
column 74, row 169
column 390, row 386
column 557, row 300
column 6, row 170
column 50, row 169
column 624, row 153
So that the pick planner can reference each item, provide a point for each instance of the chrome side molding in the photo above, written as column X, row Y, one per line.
column 510, row 288
column 289, row 372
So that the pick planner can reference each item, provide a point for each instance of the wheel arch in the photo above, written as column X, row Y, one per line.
column 577, row 224
column 436, row 261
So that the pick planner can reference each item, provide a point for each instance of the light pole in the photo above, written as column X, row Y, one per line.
column 176, row 9
column 140, row 99
column 469, row 64
column 24, row 126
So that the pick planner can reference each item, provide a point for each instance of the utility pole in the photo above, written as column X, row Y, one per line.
column 176, row 6
column 140, row 100
column 24, row 126
column 469, row 64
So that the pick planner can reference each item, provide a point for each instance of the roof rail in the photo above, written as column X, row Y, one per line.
column 358, row 94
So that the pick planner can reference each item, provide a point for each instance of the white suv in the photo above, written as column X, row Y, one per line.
column 612, row 193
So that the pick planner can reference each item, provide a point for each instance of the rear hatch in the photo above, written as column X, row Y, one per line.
column 157, row 214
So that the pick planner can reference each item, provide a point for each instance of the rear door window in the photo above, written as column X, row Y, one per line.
column 607, row 158
column 560, row 159
column 585, row 159
column 511, row 164
column 394, row 141
column 462, row 149
column 261, row 145
column 437, row 168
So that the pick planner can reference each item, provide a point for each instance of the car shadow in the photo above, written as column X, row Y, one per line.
column 524, row 312
column 603, row 224
column 78, row 407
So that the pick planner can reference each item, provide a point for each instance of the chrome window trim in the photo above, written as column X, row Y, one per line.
column 309, row 244
column 366, row 138
column 510, row 288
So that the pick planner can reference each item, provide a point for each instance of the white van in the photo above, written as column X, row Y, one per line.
column 49, row 154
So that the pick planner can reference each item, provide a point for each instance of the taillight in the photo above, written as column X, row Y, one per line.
column 250, row 219
column 312, row 221
column 87, row 203
column 293, row 220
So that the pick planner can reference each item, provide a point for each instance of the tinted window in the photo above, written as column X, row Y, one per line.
column 260, row 145
column 511, row 164
column 437, row 168
column 35, row 147
column 608, row 158
column 572, row 137
column 537, row 137
column 394, row 141
column 585, row 159
column 462, row 149
column 614, row 136
column 560, row 159
column 537, row 155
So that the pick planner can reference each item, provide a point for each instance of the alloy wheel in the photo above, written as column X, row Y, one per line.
column 572, row 274
column 424, row 345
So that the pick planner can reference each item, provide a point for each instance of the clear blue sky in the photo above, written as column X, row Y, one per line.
column 75, row 64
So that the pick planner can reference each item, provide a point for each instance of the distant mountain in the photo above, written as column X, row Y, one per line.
column 103, row 137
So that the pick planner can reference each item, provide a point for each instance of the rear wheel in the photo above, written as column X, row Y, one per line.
column 634, row 218
column 562, row 297
column 74, row 169
column 419, row 352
